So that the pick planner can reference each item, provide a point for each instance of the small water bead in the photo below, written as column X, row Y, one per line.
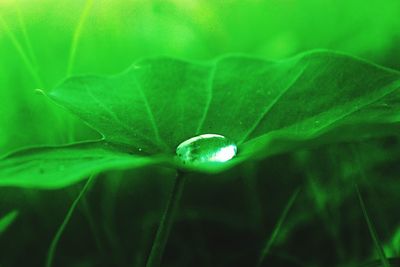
column 206, row 148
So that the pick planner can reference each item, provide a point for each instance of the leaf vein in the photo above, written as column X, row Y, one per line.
column 359, row 108
column 112, row 113
column 272, row 104
column 209, row 88
column 150, row 113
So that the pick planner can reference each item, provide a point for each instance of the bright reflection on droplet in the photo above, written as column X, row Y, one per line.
column 206, row 148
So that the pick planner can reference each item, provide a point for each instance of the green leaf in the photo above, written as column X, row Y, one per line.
column 266, row 107
column 7, row 220
column 158, row 103
column 56, row 167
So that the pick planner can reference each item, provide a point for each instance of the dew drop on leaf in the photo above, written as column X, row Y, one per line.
column 206, row 148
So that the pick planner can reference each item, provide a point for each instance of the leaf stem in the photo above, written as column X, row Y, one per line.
column 60, row 231
column 7, row 220
column 372, row 230
column 157, row 250
column 25, row 58
column 268, row 245
column 25, row 35
column 370, row 224
column 77, row 35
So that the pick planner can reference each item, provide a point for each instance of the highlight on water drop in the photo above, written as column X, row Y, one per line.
column 206, row 148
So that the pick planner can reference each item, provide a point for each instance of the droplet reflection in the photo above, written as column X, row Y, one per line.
column 206, row 148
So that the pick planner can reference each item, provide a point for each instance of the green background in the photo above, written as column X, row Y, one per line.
column 224, row 219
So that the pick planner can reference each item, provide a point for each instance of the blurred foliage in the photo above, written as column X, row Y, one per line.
column 7, row 220
column 225, row 219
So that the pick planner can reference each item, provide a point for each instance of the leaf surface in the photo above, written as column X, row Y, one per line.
column 160, row 102
column 266, row 107
column 56, row 167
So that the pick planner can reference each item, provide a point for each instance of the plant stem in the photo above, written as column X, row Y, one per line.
column 77, row 35
column 370, row 224
column 60, row 231
column 157, row 250
column 268, row 245
column 25, row 35
column 252, row 193
column 372, row 230
column 25, row 58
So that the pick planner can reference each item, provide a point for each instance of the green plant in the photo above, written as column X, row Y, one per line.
column 265, row 107
column 144, row 113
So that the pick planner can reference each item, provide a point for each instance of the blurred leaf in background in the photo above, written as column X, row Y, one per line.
column 7, row 220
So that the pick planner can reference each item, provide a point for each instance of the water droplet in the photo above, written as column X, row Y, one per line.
column 206, row 148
